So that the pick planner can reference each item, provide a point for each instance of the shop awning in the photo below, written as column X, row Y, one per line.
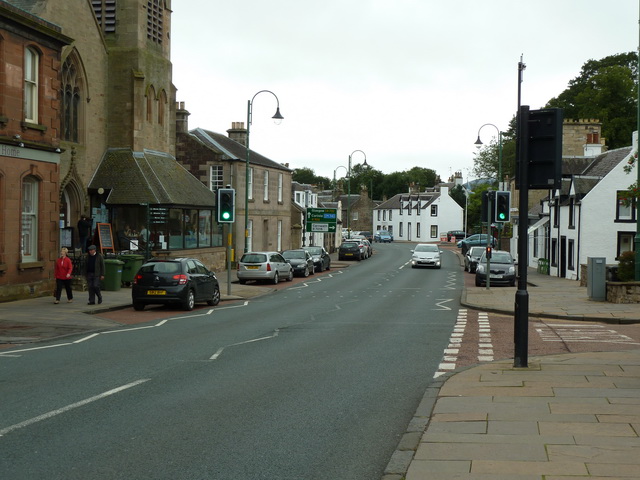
column 148, row 177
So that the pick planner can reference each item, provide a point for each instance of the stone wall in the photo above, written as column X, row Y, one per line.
column 623, row 292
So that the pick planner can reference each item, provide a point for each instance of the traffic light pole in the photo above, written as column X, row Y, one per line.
column 521, row 315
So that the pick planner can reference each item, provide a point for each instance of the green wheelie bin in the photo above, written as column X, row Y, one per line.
column 132, row 263
column 112, row 274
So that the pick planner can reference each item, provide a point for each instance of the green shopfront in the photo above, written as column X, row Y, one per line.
column 156, row 207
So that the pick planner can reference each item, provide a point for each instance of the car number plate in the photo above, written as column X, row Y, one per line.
column 496, row 276
column 252, row 267
column 348, row 254
column 156, row 292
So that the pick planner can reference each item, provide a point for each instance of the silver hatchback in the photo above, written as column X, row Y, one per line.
column 266, row 266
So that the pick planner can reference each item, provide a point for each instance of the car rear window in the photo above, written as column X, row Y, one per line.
column 254, row 258
column 297, row 254
column 161, row 267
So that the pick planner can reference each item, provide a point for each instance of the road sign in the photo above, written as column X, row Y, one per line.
column 322, row 219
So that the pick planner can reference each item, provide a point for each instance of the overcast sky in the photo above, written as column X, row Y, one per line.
column 408, row 82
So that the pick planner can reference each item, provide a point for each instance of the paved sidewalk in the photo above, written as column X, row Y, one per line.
column 565, row 417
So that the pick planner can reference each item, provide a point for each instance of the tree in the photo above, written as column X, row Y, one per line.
column 606, row 90
column 486, row 159
column 308, row 176
column 458, row 193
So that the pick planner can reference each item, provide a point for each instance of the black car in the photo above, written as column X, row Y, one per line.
column 181, row 281
column 321, row 258
column 350, row 250
column 301, row 262
column 502, row 269
column 456, row 235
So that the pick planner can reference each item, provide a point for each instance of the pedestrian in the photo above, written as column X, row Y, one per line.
column 62, row 272
column 94, row 273
column 84, row 231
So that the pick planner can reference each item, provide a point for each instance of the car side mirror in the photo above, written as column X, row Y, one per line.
column 411, row 251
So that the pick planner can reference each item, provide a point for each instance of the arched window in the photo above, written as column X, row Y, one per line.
column 71, row 103
column 31, row 64
column 29, row 234
column 162, row 103
column 151, row 99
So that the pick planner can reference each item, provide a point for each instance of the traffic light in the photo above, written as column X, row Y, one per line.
column 502, row 206
column 226, row 205
column 544, row 148
column 486, row 215
column 488, row 252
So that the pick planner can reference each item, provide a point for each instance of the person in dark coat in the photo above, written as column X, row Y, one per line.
column 85, row 224
column 94, row 273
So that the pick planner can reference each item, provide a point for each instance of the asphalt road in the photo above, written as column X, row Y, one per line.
column 316, row 381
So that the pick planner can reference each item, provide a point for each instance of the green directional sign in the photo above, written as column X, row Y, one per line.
column 322, row 220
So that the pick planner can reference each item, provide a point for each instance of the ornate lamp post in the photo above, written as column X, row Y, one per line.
column 278, row 118
column 349, row 191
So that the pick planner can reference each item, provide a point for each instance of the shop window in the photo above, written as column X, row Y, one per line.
column 29, row 234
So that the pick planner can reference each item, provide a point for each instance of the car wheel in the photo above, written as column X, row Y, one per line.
column 312, row 270
column 190, row 301
column 478, row 282
column 329, row 266
column 275, row 279
column 215, row 298
column 138, row 306
column 512, row 284
column 290, row 277
column 305, row 274
column 466, row 269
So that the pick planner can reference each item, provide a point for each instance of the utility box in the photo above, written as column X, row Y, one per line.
column 597, row 278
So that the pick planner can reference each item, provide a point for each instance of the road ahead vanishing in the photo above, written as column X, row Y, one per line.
column 316, row 381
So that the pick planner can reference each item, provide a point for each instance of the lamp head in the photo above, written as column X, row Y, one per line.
column 478, row 143
column 278, row 117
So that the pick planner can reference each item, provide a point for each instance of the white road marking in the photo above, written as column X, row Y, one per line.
column 58, row 411
column 122, row 330
column 216, row 355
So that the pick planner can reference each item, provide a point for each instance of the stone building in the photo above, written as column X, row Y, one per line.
column 107, row 101
column 30, row 60
column 219, row 160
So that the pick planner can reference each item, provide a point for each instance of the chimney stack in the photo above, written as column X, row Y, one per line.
column 182, row 118
column 238, row 133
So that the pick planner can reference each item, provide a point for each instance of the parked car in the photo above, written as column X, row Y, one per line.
column 456, row 234
column 365, row 246
column 472, row 257
column 350, row 250
column 269, row 266
column 367, row 235
column 426, row 255
column 321, row 258
column 301, row 262
column 383, row 236
column 183, row 281
column 503, row 269
column 477, row 240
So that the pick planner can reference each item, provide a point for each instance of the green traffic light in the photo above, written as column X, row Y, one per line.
column 226, row 215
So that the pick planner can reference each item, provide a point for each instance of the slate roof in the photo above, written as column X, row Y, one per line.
column 396, row 202
column 233, row 150
column 575, row 165
column 606, row 162
column 148, row 177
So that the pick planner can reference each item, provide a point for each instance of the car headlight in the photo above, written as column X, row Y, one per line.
column 512, row 270
column 480, row 268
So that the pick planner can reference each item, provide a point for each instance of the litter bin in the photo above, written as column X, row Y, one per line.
column 543, row 266
column 132, row 264
column 112, row 274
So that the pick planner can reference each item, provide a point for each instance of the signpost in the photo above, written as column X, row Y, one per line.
column 322, row 220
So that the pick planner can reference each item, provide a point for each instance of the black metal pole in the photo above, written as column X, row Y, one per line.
column 521, row 311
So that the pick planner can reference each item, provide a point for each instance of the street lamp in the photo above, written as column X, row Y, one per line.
column 349, row 191
column 278, row 118
column 478, row 143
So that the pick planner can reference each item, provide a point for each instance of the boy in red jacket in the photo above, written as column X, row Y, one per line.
column 63, row 271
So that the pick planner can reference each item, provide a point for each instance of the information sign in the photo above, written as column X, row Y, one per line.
column 322, row 220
